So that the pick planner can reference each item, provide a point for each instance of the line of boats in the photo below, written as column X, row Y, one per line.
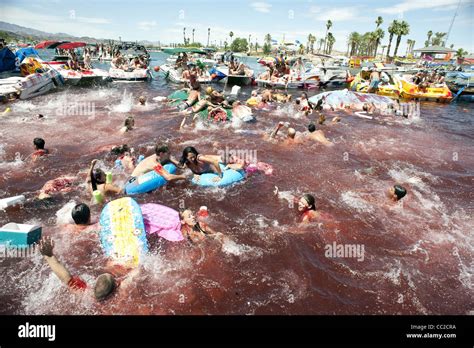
column 24, row 74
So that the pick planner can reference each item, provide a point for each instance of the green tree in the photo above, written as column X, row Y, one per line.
column 328, row 26
column 267, row 48
column 268, row 39
column 320, row 42
column 392, row 30
column 184, row 35
column 428, row 42
column 331, row 41
column 354, row 42
column 239, row 45
column 231, row 34
column 402, row 30
column 438, row 39
column 312, row 41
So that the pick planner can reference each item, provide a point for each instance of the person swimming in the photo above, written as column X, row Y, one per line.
column 307, row 206
column 193, row 230
column 40, row 151
column 200, row 164
column 142, row 100
column 128, row 125
column 97, row 182
column 81, row 214
column 397, row 192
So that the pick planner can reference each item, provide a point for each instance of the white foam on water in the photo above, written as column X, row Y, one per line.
column 125, row 104
column 230, row 247
column 63, row 215
column 355, row 201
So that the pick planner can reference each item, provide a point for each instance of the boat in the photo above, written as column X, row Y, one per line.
column 173, row 74
column 30, row 80
column 136, row 75
column 409, row 90
column 221, row 73
column 389, row 85
column 461, row 82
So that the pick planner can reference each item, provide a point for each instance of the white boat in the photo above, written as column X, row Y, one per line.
column 31, row 85
column 136, row 75
column 79, row 77
column 169, row 72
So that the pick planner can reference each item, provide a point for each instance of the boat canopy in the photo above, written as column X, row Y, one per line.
column 23, row 53
column 49, row 44
column 184, row 50
column 7, row 60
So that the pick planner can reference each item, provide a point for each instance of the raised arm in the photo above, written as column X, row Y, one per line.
column 46, row 246
column 277, row 128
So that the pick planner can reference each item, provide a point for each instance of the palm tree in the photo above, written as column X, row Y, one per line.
column 331, row 41
column 208, row 35
column 427, row 42
column 309, row 43
column 321, row 42
column 378, row 21
column 268, row 39
column 184, row 35
column 460, row 54
column 392, row 29
column 328, row 26
column 312, row 41
column 438, row 39
column 231, row 34
column 353, row 41
column 383, row 49
column 193, row 34
column 301, row 49
column 403, row 29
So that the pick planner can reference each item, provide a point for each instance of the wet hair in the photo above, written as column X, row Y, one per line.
column 400, row 191
column 81, row 214
column 365, row 107
column 104, row 286
column 97, row 178
column 39, row 143
column 129, row 122
column 298, row 102
column 120, row 150
column 311, row 201
column 186, row 152
column 160, row 148
column 311, row 127
column 305, row 95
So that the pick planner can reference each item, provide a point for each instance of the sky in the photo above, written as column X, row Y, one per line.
column 163, row 20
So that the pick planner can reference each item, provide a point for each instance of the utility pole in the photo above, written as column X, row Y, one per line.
column 451, row 25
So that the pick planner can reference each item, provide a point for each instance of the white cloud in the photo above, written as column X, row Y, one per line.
column 144, row 25
column 411, row 5
column 261, row 6
column 334, row 14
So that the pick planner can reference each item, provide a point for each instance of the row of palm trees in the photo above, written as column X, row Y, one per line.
column 436, row 40
column 186, row 40
column 367, row 44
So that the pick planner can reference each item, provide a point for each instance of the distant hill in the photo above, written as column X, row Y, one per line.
column 30, row 34
column 13, row 32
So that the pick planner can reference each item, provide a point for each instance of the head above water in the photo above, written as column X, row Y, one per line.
column 307, row 202
column 188, row 218
column 39, row 143
column 99, row 176
column 129, row 122
column 142, row 100
column 104, row 286
column 311, row 127
column 189, row 155
column 81, row 214
column 291, row 133
column 397, row 192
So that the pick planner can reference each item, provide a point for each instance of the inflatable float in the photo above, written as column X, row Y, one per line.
column 163, row 221
column 340, row 99
column 122, row 231
column 148, row 182
column 229, row 177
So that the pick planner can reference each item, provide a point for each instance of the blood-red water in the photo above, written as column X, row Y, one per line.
column 418, row 253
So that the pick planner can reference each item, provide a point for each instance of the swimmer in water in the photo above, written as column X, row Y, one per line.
column 307, row 206
column 200, row 164
column 106, row 283
column 193, row 230
column 81, row 214
column 128, row 125
column 97, row 182
column 397, row 192
column 317, row 135
column 156, row 162
column 39, row 149
column 369, row 108
column 142, row 100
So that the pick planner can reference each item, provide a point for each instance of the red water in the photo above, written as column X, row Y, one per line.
column 418, row 253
